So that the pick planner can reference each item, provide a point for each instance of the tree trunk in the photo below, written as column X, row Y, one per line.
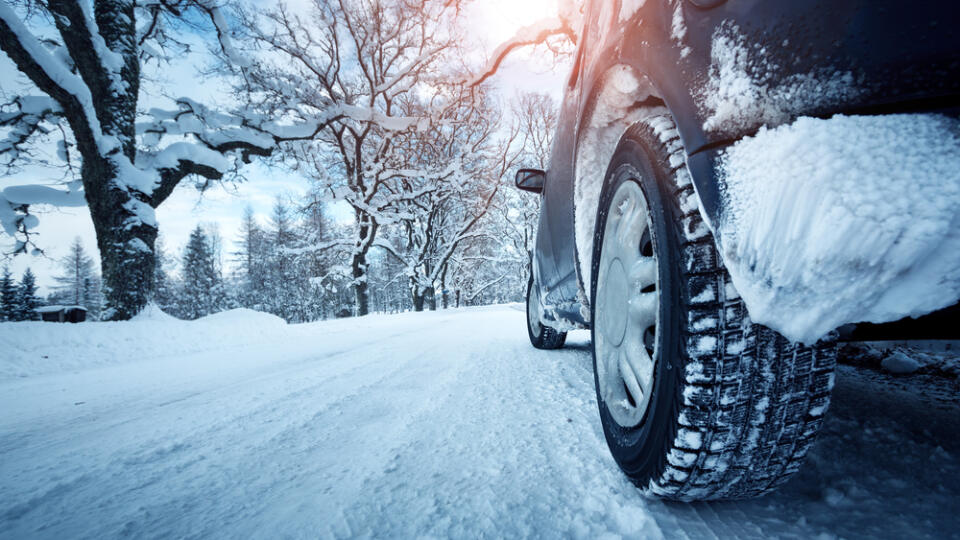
column 126, row 238
column 122, row 218
column 431, row 297
column 361, row 291
column 417, row 301
column 443, row 288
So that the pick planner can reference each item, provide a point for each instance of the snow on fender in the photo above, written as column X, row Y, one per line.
column 848, row 219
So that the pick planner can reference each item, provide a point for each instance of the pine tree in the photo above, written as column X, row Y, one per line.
column 281, row 278
column 77, row 282
column 251, row 262
column 27, row 299
column 164, row 292
column 314, row 230
column 92, row 293
column 8, row 296
column 202, row 290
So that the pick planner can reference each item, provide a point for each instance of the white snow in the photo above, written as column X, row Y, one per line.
column 827, row 222
column 14, row 196
column 904, row 358
column 900, row 363
column 678, row 28
column 737, row 96
column 614, row 112
column 223, row 35
column 111, row 61
column 445, row 424
column 40, row 194
column 173, row 153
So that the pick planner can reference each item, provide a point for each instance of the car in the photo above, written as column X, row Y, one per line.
column 636, row 237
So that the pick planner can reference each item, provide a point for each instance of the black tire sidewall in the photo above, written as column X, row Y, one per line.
column 641, row 451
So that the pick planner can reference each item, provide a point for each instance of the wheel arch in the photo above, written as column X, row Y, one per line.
column 617, row 97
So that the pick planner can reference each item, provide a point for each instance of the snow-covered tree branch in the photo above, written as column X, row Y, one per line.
column 383, row 66
column 565, row 26
column 87, row 59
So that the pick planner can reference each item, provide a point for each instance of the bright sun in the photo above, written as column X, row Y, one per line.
column 498, row 20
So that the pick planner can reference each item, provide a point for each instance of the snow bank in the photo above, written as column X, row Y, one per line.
column 153, row 313
column 29, row 349
column 900, row 363
column 36, row 348
column 924, row 357
column 850, row 219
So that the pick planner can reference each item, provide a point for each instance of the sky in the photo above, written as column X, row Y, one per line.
column 491, row 23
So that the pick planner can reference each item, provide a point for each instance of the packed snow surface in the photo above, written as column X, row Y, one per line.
column 849, row 219
column 436, row 425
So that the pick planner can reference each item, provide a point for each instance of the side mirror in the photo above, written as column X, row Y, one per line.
column 531, row 180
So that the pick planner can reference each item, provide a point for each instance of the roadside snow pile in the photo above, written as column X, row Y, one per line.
column 36, row 348
column 916, row 357
column 153, row 313
column 854, row 218
column 900, row 363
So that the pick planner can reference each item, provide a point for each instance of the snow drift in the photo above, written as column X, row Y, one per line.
column 38, row 348
column 849, row 219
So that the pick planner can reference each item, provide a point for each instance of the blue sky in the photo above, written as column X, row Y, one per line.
column 492, row 21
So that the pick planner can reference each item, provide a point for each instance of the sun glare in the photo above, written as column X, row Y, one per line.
column 498, row 20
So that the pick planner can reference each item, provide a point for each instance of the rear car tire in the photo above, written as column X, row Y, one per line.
column 696, row 401
column 541, row 335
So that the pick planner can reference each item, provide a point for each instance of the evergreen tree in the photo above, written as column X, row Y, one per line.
column 27, row 299
column 313, row 231
column 8, row 296
column 93, row 296
column 202, row 290
column 77, row 283
column 251, row 261
column 281, row 278
column 164, row 292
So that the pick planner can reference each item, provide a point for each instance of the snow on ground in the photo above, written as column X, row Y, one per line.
column 36, row 348
column 842, row 220
column 437, row 424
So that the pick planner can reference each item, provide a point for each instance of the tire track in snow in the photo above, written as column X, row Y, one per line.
column 426, row 425
column 84, row 450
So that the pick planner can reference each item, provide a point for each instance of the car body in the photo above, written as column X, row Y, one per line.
column 861, row 57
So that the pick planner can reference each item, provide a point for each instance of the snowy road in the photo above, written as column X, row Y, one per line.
column 442, row 424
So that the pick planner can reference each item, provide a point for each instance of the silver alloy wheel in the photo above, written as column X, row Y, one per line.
column 628, row 307
column 533, row 310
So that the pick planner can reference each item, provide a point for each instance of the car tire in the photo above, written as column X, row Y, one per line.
column 541, row 335
column 730, row 407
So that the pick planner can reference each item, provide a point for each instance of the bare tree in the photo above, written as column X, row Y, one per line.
column 555, row 33
column 493, row 265
column 370, row 59
column 469, row 144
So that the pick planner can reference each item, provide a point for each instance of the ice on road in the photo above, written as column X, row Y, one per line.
column 445, row 424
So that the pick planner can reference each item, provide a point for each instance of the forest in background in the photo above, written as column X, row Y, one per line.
column 373, row 103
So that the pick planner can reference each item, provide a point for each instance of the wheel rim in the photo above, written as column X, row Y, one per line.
column 533, row 310
column 628, row 307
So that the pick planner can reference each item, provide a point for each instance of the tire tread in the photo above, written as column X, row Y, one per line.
column 754, row 400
